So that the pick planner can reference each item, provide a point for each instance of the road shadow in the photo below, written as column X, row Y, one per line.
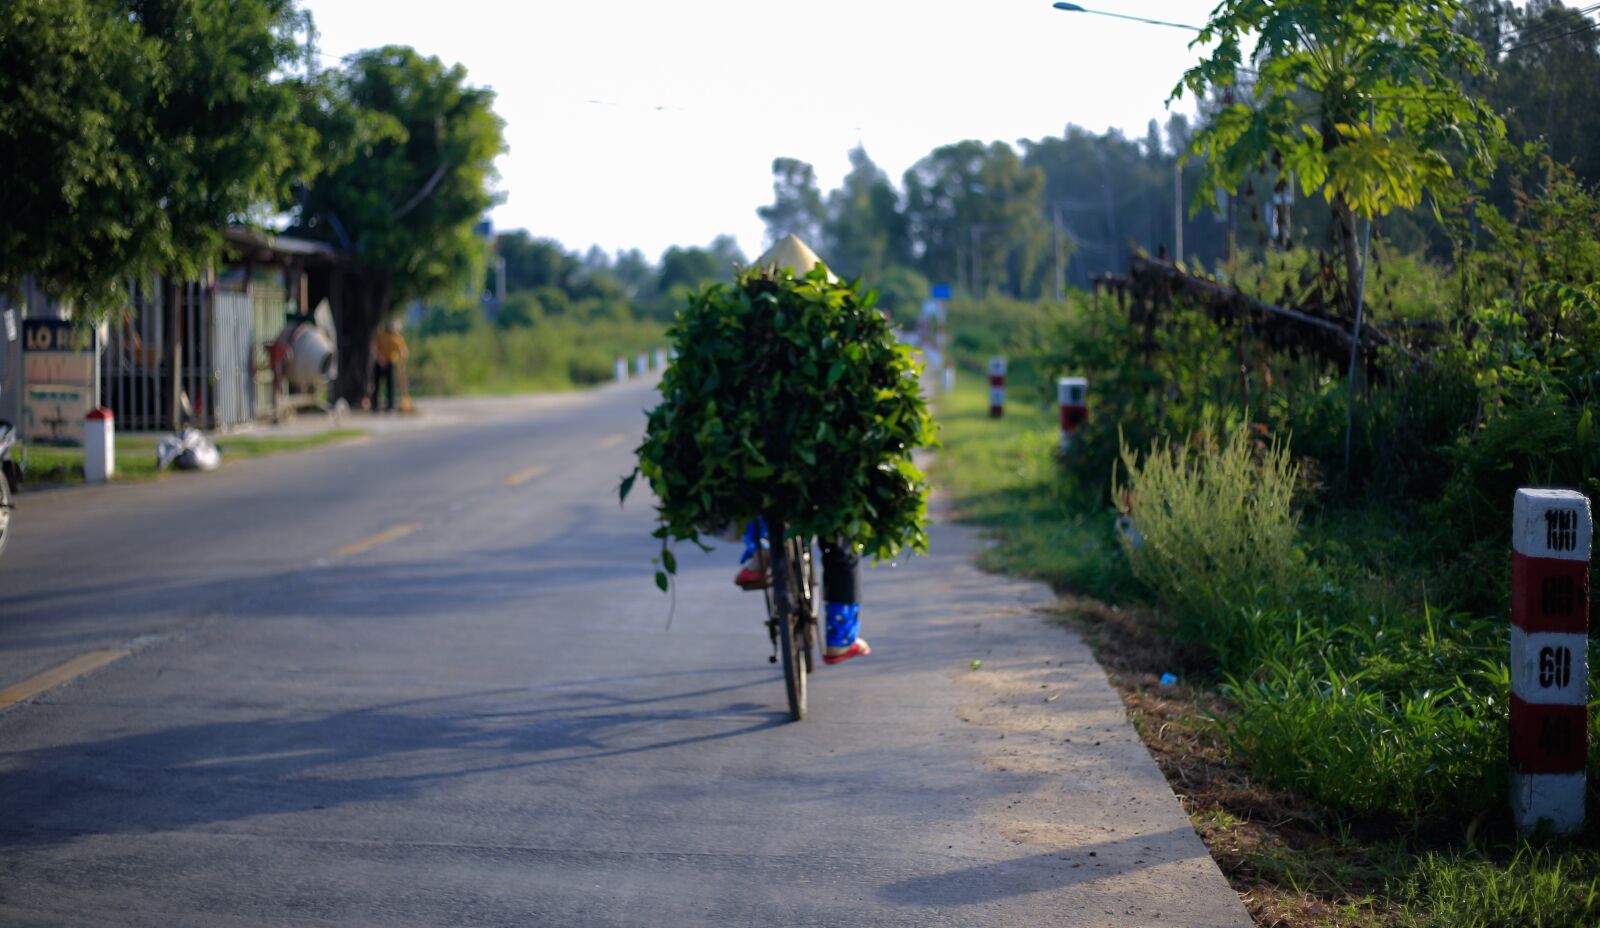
column 994, row 881
column 207, row 773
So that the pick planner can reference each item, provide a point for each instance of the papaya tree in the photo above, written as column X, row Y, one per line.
column 1358, row 100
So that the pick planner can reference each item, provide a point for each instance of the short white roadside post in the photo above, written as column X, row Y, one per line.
column 661, row 359
column 1550, row 535
column 997, row 387
column 622, row 369
column 99, row 446
column 641, row 364
column 1072, row 394
column 949, row 377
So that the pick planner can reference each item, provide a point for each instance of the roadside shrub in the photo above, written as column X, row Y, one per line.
column 1218, row 528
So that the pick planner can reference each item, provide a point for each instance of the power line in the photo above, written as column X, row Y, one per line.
column 1545, row 41
column 1545, row 33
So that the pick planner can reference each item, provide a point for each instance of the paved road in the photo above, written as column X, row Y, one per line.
column 426, row 680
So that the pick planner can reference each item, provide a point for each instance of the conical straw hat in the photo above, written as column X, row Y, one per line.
column 790, row 254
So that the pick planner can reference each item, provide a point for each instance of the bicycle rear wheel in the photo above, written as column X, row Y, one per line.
column 789, row 603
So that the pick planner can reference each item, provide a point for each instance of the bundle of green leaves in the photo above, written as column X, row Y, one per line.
column 789, row 399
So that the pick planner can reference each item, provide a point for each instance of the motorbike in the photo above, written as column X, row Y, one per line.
column 10, row 480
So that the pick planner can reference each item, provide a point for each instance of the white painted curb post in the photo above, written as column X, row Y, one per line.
column 661, row 359
column 99, row 446
column 641, row 364
column 949, row 378
column 997, row 387
column 622, row 369
column 1550, row 534
column 1072, row 394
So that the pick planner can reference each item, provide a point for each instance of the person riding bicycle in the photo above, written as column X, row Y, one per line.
column 841, row 589
column 791, row 411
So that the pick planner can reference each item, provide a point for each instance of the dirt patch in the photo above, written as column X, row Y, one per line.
column 1271, row 845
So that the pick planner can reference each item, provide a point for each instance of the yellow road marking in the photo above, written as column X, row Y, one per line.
column 50, row 679
column 382, row 538
column 611, row 441
column 523, row 476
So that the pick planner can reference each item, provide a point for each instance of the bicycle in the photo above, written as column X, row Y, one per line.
column 792, row 619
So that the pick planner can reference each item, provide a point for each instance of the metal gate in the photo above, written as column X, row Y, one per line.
column 133, row 359
column 232, row 346
column 160, row 346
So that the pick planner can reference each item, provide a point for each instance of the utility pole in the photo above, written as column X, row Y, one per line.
column 1177, row 206
column 977, row 260
column 311, row 48
column 1061, row 269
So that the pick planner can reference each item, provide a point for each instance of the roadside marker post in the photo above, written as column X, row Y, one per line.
column 997, row 387
column 949, row 378
column 1550, row 539
column 661, row 359
column 622, row 369
column 1072, row 395
column 99, row 445
column 641, row 364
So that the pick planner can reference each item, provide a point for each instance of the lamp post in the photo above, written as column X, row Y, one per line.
column 1074, row 8
column 1177, row 167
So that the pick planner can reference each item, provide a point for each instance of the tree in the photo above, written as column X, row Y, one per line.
column 133, row 131
column 976, row 210
column 865, row 230
column 689, row 267
column 1548, row 85
column 797, row 207
column 1356, row 99
column 534, row 262
column 404, row 207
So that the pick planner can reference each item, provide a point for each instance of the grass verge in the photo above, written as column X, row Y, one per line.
column 1296, row 863
column 136, row 454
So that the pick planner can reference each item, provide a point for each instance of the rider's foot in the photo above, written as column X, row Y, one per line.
column 753, row 577
column 839, row 655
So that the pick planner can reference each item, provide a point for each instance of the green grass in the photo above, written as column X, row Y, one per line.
column 136, row 454
column 1003, row 475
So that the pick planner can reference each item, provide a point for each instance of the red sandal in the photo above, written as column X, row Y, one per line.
column 859, row 649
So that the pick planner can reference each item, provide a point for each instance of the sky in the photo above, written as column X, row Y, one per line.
column 635, row 124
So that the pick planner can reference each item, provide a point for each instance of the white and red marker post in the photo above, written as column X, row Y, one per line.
column 1550, row 537
column 99, row 445
column 997, row 387
column 1072, row 395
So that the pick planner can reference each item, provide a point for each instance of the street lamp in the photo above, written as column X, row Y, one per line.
column 1074, row 8
column 1177, row 167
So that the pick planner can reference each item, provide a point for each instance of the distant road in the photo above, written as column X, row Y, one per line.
column 426, row 679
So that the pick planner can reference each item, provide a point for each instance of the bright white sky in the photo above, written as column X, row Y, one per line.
column 696, row 97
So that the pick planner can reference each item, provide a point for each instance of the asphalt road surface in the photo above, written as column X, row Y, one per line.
column 426, row 679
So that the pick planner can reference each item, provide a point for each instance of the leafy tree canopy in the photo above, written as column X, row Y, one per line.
column 797, row 206
column 1358, row 99
column 133, row 132
column 419, row 146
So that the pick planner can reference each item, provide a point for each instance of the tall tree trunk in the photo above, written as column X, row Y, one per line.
column 1352, row 252
column 365, row 309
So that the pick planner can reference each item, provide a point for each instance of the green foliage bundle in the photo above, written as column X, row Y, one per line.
column 789, row 399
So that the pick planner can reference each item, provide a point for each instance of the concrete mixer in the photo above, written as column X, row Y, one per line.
column 312, row 361
column 304, row 359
